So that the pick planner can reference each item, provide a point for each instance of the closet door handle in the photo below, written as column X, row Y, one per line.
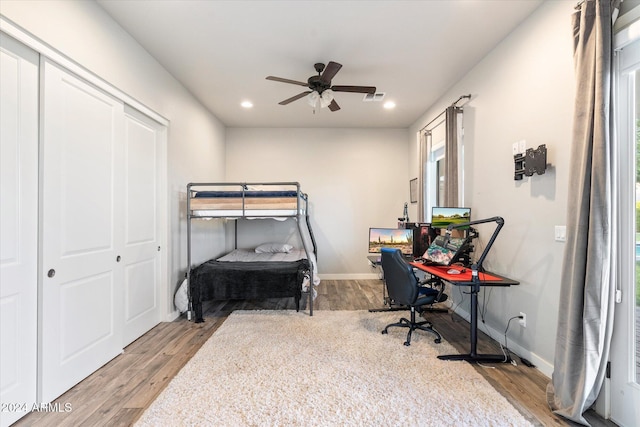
column 51, row 273
column 118, row 258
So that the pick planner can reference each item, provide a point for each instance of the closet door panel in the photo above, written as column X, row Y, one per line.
column 82, row 230
column 142, row 242
column 86, row 182
column 88, row 298
column 18, row 227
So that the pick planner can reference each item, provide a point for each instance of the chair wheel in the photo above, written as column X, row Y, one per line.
column 437, row 340
column 407, row 343
column 384, row 332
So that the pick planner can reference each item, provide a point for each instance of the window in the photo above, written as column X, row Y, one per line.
column 433, row 167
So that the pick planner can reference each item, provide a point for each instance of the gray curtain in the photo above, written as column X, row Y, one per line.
column 425, row 148
column 451, row 157
column 585, row 320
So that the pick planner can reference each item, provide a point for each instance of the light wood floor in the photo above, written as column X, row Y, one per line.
column 118, row 393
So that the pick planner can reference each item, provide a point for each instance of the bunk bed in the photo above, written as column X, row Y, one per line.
column 274, row 272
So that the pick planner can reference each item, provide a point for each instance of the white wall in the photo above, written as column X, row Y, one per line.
column 355, row 178
column 86, row 34
column 524, row 89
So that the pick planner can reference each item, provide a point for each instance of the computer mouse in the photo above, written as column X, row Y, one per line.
column 453, row 271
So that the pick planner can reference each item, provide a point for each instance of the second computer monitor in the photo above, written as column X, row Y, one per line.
column 442, row 217
column 398, row 238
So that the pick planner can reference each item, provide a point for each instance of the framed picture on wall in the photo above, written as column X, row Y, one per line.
column 413, row 190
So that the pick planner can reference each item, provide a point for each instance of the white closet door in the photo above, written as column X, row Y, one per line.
column 82, row 230
column 142, row 257
column 18, row 228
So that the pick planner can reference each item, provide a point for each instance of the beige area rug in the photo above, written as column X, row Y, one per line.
column 282, row 368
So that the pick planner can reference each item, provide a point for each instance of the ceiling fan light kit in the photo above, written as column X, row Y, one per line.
column 324, row 99
column 312, row 99
column 321, row 91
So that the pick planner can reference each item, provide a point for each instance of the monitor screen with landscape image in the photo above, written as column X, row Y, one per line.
column 442, row 217
column 398, row 238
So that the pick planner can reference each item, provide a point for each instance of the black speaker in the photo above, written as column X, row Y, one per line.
column 423, row 235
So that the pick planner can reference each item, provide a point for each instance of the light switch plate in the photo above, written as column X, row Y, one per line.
column 561, row 233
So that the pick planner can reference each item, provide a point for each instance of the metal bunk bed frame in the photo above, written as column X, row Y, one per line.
column 246, row 213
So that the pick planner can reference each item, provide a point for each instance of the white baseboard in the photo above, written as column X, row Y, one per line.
column 171, row 316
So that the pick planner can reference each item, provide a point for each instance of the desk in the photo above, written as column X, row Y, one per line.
column 465, row 279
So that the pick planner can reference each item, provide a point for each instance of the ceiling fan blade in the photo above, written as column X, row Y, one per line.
column 280, row 79
column 295, row 98
column 330, row 71
column 357, row 89
column 334, row 106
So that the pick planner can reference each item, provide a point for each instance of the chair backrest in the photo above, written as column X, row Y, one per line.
column 402, row 284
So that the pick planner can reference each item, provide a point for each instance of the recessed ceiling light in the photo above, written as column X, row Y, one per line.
column 246, row 104
column 389, row 105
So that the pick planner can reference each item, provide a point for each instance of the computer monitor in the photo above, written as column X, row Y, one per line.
column 399, row 238
column 442, row 217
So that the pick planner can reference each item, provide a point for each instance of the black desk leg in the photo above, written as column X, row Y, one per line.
column 473, row 355
column 380, row 310
column 434, row 310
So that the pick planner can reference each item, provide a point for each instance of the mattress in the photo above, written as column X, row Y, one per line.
column 239, row 203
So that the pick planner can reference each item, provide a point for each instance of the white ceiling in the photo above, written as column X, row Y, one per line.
column 413, row 51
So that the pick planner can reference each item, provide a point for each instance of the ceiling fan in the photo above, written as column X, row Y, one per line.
column 321, row 90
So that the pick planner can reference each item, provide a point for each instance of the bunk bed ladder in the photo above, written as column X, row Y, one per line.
column 305, row 197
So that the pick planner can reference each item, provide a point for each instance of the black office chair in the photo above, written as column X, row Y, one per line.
column 404, row 289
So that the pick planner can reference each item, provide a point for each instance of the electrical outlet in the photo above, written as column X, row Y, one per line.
column 514, row 148
column 523, row 320
column 522, row 146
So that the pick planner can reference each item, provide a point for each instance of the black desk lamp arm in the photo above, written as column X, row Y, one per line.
column 498, row 220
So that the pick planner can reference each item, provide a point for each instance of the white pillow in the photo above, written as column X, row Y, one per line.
column 272, row 248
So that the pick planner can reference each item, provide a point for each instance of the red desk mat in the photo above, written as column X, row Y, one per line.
column 463, row 276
